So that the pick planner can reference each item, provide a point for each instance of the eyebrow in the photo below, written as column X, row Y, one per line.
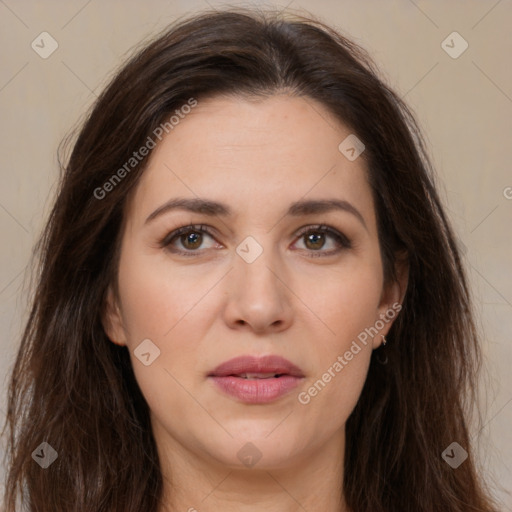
column 296, row 209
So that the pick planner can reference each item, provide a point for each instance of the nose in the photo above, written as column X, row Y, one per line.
column 258, row 297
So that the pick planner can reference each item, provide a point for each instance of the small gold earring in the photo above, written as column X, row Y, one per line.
column 384, row 341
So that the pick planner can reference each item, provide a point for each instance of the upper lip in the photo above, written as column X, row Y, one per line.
column 257, row 364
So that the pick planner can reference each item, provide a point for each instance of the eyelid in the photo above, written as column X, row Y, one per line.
column 165, row 242
column 324, row 228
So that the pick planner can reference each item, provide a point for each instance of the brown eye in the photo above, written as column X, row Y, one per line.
column 191, row 240
column 323, row 240
column 188, row 240
column 314, row 241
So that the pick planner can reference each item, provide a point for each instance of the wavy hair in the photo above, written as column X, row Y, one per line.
column 73, row 388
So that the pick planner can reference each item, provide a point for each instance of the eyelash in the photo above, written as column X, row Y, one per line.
column 342, row 241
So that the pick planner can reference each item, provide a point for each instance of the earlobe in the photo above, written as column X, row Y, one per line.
column 402, row 276
column 112, row 320
column 391, row 300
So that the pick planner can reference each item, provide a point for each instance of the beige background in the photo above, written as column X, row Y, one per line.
column 464, row 106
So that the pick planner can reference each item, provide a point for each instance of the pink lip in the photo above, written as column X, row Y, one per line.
column 257, row 391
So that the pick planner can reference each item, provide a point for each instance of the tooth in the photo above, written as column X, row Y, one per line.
column 258, row 375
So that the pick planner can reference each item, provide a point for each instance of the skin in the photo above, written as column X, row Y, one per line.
column 257, row 157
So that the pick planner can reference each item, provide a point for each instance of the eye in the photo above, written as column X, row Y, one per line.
column 190, row 238
column 316, row 237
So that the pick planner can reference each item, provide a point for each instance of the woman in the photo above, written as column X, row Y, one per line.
column 249, row 297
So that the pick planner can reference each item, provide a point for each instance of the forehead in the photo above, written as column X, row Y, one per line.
column 263, row 154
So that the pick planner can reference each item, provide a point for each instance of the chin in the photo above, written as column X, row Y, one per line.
column 255, row 450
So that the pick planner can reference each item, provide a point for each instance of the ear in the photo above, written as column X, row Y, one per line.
column 392, row 297
column 112, row 320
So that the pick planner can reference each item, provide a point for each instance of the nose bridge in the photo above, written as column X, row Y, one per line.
column 256, row 263
column 256, row 294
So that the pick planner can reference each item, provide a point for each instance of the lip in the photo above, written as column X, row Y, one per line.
column 253, row 390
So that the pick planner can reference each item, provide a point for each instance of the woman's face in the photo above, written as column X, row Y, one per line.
column 264, row 280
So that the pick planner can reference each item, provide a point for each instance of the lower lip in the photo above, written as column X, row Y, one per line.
column 257, row 391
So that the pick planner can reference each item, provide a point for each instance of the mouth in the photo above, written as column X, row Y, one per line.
column 256, row 380
column 260, row 367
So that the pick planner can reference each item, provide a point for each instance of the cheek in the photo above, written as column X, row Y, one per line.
column 168, row 307
column 330, row 398
column 348, row 305
column 348, row 301
column 341, row 361
column 153, row 311
column 157, row 298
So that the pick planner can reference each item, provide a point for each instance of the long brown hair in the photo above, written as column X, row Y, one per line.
column 74, row 389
